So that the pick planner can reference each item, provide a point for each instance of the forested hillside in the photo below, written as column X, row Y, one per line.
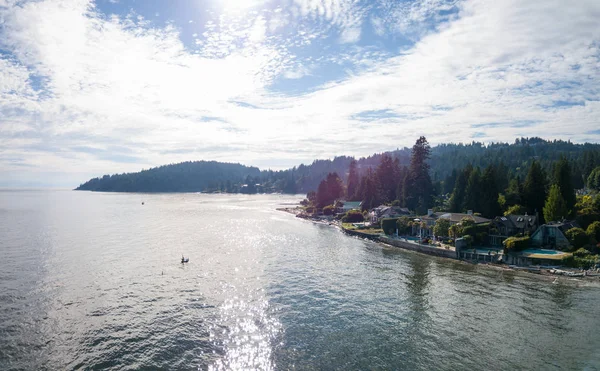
column 183, row 177
column 447, row 161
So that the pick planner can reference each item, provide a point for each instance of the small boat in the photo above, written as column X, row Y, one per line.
column 184, row 260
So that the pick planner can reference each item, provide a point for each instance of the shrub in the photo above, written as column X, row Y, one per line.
column 468, row 240
column 389, row 225
column 404, row 225
column 514, row 244
column 587, row 216
column 310, row 210
column 585, row 262
column 396, row 203
column 353, row 216
column 441, row 227
column 581, row 252
column 577, row 237
column 328, row 210
column 593, row 231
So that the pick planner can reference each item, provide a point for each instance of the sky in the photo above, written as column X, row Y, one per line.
column 109, row 86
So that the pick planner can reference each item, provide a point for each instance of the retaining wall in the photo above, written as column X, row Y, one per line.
column 419, row 248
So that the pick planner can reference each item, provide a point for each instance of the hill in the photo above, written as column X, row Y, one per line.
column 197, row 176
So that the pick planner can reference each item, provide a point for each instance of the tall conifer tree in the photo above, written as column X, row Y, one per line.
column 534, row 189
column 556, row 207
column 353, row 181
column 563, row 178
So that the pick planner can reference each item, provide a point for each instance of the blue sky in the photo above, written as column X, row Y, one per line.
column 107, row 86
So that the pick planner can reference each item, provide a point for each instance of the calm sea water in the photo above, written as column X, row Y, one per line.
column 93, row 281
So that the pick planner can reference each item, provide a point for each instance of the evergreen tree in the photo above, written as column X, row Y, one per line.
column 489, row 206
column 562, row 178
column 330, row 189
column 513, row 192
column 457, row 200
column 534, row 189
column 420, row 185
column 473, row 193
column 322, row 194
column 450, row 181
column 353, row 181
column 556, row 207
column 593, row 181
column 386, row 177
column 335, row 187
column 369, row 191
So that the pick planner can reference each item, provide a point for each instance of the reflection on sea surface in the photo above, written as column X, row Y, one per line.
column 93, row 280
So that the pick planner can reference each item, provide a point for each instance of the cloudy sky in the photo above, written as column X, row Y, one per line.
column 106, row 86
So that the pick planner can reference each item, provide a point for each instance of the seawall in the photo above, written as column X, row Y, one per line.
column 418, row 248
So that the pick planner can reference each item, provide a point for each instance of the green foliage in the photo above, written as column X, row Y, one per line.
column 513, row 193
column 404, row 225
column 328, row 210
column 587, row 216
column 330, row 189
column 515, row 210
column 441, row 227
column 556, row 207
column 563, row 179
column 457, row 199
column 353, row 216
column 582, row 262
column 387, row 174
column 473, row 191
column 593, row 231
column 389, row 225
column 353, row 182
column 577, row 237
column 593, row 180
column 488, row 204
column 420, row 187
column 183, row 177
column 534, row 189
column 368, row 191
column 515, row 244
column 581, row 252
column 468, row 240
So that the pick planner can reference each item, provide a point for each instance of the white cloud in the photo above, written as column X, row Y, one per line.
column 134, row 91
column 350, row 35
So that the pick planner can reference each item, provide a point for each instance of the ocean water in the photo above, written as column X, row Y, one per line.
column 94, row 281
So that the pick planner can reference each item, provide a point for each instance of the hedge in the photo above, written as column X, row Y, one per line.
column 514, row 244
column 353, row 216
column 389, row 225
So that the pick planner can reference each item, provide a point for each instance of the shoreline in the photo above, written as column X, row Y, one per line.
column 542, row 273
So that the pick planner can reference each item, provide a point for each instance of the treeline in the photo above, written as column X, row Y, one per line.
column 183, row 177
column 514, row 160
column 491, row 191
column 409, row 186
column 445, row 162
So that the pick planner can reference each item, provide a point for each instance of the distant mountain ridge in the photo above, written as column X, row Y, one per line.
column 210, row 176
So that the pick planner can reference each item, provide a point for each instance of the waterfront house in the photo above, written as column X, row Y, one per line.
column 511, row 225
column 552, row 235
column 383, row 212
column 425, row 228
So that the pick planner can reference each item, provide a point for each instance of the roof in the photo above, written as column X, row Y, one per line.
column 517, row 221
column 455, row 217
column 564, row 226
column 390, row 210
